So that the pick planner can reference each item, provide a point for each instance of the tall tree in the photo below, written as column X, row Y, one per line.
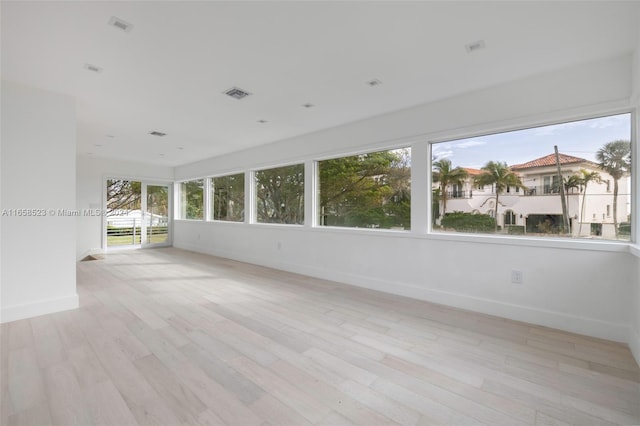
column 366, row 190
column 446, row 175
column 280, row 194
column 586, row 177
column 123, row 195
column 615, row 159
column 570, row 183
column 499, row 175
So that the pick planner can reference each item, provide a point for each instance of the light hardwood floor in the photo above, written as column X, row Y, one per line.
column 171, row 337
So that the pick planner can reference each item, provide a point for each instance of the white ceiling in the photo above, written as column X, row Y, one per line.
column 169, row 72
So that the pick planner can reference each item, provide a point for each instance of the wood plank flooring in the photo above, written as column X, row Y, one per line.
column 169, row 337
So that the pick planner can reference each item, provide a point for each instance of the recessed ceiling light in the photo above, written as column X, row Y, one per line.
column 476, row 45
column 308, row 105
column 374, row 82
column 120, row 24
column 262, row 121
column 92, row 68
column 236, row 93
column 157, row 133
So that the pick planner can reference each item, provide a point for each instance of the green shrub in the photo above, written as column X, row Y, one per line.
column 515, row 229
column 468, row 222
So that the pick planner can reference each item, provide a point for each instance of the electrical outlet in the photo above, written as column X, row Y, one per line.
column 516, row 276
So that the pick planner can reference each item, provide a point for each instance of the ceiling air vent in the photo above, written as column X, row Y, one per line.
column 92, row 68
column 236, row 93
column 156, row 133
column 120, row 24
column 472, row 47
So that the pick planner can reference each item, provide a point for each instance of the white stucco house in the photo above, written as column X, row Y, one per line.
column 538, row 207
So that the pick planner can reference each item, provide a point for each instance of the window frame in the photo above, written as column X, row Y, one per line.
column 208, row 210
column 409, row 144
column 178, row 199
column 537, row 241
column 253, row 195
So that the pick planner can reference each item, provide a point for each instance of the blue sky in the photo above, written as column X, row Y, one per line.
column 578, row 138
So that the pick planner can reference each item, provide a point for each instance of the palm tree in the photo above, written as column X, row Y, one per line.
column 501, row 176
column 615, row 159
column 446, row 175
column 571, row 182
column 585, row 178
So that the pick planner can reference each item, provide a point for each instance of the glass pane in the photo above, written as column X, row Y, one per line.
column 124, row 217
column 192, row 199
column 280, row 195
column 370, row 190
column 157, row 217
column 582, row 192
column 227, row 198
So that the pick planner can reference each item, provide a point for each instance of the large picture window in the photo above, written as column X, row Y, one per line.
column 280, row 195
column 227, row 198
column 370, row 190
column 566, row 180
column 192, row 199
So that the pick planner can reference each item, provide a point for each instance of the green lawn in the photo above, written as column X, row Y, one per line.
column 120, row 240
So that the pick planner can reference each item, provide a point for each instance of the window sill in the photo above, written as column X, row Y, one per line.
column 540, row 242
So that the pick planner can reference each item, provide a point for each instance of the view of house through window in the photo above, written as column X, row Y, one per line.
column 280, row 195
column 565, row 180
column 227, row 198
column 370, row 190
column 192, row 199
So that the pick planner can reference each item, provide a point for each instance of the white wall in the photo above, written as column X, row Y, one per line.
column 38, row 172
column 634, row 335
column 571, row 286
column 91, row 173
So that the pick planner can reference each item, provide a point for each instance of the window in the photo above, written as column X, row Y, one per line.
column 280, row 195
column 519, row 175
column 370, row 190
column 227, row 198
column 192, row 199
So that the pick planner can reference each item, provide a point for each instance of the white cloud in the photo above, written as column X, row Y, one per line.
column 440, row 153
column 470, row 143
column 606, row 122
column 557, row 128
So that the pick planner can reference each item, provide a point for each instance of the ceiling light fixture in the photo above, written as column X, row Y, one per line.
column 157, row 133
column 262, row 121
column 308, row 105
column 374, row 82
column 236, row 93
column 477, row 45
column 120, row 24
column 92, row 68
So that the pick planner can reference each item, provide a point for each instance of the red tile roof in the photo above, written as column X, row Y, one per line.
column 472, row 172
column 549, row 160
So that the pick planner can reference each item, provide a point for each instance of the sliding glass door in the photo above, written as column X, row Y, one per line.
column 137, row 213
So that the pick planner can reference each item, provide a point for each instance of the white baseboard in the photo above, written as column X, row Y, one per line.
column 558, row 320
column 41, row 307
